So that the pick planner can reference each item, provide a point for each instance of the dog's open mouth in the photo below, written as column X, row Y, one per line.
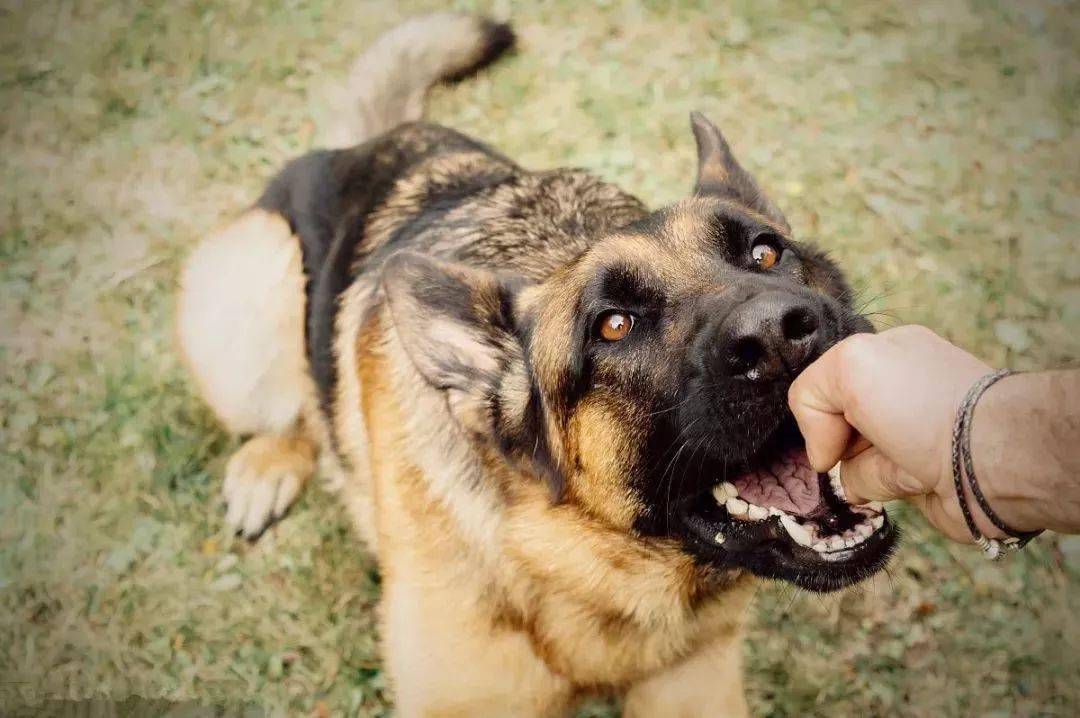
column 781, row 519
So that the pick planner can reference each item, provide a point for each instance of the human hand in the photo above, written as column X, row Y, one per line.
column 884, row 405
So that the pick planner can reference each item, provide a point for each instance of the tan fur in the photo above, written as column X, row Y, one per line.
column 497, row 600
column 548, row 602
column 602, row 443
column 263, row 479
column 240, row 323
column 387, row 83
column 240, row 328
column 706, row 685
column 427, row 567
column 522, row 636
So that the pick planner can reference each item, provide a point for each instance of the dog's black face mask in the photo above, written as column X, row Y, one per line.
column 647, row 380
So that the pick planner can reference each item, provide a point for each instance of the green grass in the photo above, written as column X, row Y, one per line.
column 932, row 148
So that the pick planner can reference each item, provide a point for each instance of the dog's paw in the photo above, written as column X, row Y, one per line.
column 263, row 479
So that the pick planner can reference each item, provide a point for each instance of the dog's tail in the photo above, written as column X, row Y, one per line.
column 388, row 83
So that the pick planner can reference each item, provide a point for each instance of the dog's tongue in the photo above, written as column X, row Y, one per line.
column 789, row 484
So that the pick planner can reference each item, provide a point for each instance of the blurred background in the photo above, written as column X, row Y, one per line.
column 931, row 146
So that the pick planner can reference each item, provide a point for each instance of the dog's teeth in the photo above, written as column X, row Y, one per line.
column 719, row 537
column 875, row 506
column 821, row 547
column 736, row 507
column 795, row 531
column 724, row 491
column 757, row 513
column 773, row 511
column 849, row 542
column 836, row 543
column 864, row 529
column 877, row 522
column 834, row 482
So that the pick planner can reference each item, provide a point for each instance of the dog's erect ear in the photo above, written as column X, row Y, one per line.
column 455, row 322
column 721, row 175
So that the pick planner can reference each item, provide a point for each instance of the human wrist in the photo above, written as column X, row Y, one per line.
column 1005, row 456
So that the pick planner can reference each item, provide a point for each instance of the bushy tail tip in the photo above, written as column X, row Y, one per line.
column 388, row 83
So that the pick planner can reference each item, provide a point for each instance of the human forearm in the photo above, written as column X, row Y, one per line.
column 1026, row 447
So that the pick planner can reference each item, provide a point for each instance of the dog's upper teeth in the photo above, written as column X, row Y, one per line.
column 736, row 507
column 796, row 531
column 877, row 522
column 757, row 513
column 864, row 529
column 836, row 543
column 875, row 506
column 724, row 491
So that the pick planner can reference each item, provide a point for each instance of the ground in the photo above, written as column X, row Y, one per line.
column 932, row 147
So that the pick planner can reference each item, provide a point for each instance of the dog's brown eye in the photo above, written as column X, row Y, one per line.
column 765, row 255
column 615, row 326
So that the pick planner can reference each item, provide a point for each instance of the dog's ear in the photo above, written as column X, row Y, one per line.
column 720, row 174
column 455, row 322
column 459, row 328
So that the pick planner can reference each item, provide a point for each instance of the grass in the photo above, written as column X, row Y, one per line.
column 931, row 146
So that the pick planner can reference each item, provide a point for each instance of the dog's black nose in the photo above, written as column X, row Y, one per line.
column 770, row 335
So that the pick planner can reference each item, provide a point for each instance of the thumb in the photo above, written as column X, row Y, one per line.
column 814, row 401
column 872, row 476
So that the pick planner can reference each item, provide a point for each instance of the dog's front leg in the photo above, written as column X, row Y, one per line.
column 709, row 684
column 447, row 657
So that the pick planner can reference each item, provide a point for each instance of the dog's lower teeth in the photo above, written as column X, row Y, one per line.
column 834, row 482
column 757, row 513
column 834, row 547
column 796, row 531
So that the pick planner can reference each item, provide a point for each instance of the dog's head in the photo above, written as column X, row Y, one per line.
column 646, row 380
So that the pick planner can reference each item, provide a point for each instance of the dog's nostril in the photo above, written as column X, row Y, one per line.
column 799, row 323
column 745, row 354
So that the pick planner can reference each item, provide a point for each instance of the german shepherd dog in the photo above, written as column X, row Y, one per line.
column 558, row 419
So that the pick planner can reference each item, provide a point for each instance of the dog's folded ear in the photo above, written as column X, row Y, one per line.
column 455, row 322
column 720, row 174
